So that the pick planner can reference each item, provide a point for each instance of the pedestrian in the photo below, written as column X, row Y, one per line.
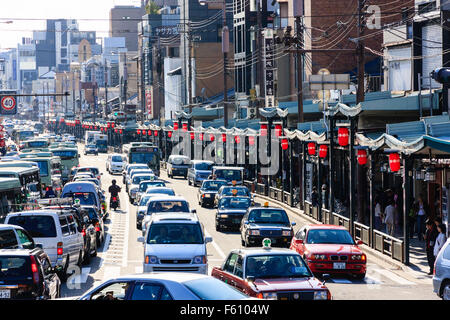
column 378, row 214
column 314, row 197
column 412, row 217
column 440, row 239
column 430, row 239
column 389, row 217
column 421, row 209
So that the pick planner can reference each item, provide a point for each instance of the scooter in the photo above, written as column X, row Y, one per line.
column 115, row 203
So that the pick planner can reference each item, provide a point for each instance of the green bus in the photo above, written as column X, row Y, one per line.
column 11, row 196
column 35, row 144
column 49, row 170
column 143, row 153
column 20, row 135
column 69, row 159
column 29, row 178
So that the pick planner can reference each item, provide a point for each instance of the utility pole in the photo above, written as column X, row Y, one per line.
column 106, row 86
column 259, row 44
column 225, row 50
column 360, row 51
column 190, row 67
column 73, row 92
column 66, row 82
column 299, row 26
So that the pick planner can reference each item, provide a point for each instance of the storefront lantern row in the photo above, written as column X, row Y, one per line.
column 362, row 157
column 343, row 137
column 169, row 134
column 175, row 126
column 251, row 140
column 311, row 148
column 394, row 162
column 284, row 144
column 263, row 130
column 323, row 151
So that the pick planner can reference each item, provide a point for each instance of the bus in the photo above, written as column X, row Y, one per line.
column 35, row 144
column 22, row 135
column 89, row 137
column 69, row 159
column 49, row 170
column 144, row 154
column 29, row 178
column 101, row 141
column 11, row 196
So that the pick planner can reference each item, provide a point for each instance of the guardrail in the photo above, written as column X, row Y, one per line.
column 250, row 185
column 326, row 216
column 308, row 206
column 388, row 245
column 276, row 194
column 261, row 189
column 287, row 198
column 339, row 220
column 361, row 232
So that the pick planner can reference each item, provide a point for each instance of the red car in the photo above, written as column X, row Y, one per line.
column 330, row 249
column 275, row 274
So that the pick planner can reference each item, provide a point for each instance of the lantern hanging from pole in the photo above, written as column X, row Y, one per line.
column 311, row 148
column 251, row 140
column 149, row 132
column 185, row 126
column 175, row 126
column 323, row 151
column 169, row 134
column 144, row 132
column 113, row 125
column 115, row 130
column 211, row 137
column 394, row 162
column 362, row 157
column 192, row 134
column 138, row 132
column 120, row 131
column 278, row 130
column 155, row 133
column 263, row 130
column 224, row 137
column 284, row 144
column 343, row 137
column 237, row 139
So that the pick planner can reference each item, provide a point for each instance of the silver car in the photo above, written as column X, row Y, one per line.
column 164, row 286
column 441, row 278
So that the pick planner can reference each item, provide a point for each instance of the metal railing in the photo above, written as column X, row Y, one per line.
column 276, row 194
column 361, row 232
column 339, row 220
column 326, row 216
column 261, row 189
column 308, row 206
column 287, row 198
column 388, row 245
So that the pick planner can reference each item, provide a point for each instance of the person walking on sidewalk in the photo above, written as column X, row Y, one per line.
column 440, row 240
column 314, row 197
column 389, row 213
column 378, row 214
column 412, row 217
column 421, row 209
column 430, row 239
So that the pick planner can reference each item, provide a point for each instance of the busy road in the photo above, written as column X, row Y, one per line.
column 122, row 254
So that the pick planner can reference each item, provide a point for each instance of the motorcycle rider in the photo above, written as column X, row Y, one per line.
column 114, row 190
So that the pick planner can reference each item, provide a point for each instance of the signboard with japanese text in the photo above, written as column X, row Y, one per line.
column 269, row 67
column 149, row 101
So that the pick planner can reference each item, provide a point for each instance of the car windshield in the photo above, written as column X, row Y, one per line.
column 145, row 186
column 203, row 166
column 116, row 159
column 175, row 233
column 212, row 185
column 138, row 179
column 276, row 266
column 329, row 236
column 180, row 160
column 136, row 167
column 168, row 206
column 144, row 201
column 152, row 189
column 275, row 216
column 93, row 170
column 229, row 174
column 235, row 203
column 14, row 267
column 92, row 213
column 64, row 155
column 91, row 146
column 213, row 289
column 86, row 198
column 229, row 191
column 37, row 226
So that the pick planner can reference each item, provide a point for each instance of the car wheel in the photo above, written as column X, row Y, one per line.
column 80, row 259
column 63, row 274
column 218, row 227
column 189, row 182
column 87, row 257
column 360, row 276
column 243, row 243
column 99, row 242
column 446, row 292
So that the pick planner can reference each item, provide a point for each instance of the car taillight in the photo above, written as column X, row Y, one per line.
column 34, row 269
column 114, row 199
column 97, row 227
column 59, row 250
column 83, row 232
column 259, row 296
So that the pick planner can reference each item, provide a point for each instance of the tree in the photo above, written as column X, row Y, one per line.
column 152, row 8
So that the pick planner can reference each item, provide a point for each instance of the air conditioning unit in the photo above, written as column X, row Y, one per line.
column 251, row 113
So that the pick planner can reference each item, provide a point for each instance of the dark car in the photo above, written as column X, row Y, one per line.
column 27, row 274
column 266, row 222
column 96, row 220
column 208, row 190
column 226, row 191
column 230, row 212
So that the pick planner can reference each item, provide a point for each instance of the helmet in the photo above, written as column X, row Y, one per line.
column 114, row 182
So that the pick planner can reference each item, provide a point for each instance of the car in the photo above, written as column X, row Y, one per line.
column 84, row 192
column 441, row 277
column 58, row 232
column 27, row 274
column 164, row 286
column 148, row 185
column 135, row 182
column 233, row 175
column 266, row 222
column 271, row 273
column 207, row 192
column 130, row 167
column 330, row 249
column 91, row 149
column 96, row 220
column 199, row 170
column 88, row 179
column 175, row 242
column 230, row 212
column 129, row 181
column 115, row 164
column 94, row 170
column 178, row 166
column 142, row 205
column 225, row 191
column 15, row 237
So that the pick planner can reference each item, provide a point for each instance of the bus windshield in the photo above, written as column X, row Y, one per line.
column 36, row 144
column 143, row 157
column 43, row 168
column 65, row 155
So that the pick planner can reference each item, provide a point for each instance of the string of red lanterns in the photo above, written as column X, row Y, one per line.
column 343, row 137
column 323, row 151
column 394, row 162
column 362, row 157
column 311, row 148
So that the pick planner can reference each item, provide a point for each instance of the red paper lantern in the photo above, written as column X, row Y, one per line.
column 323, row 151
column 263, row 130
column 211, row 137
column 237, row 139
column 115, row 130
column 278, row 130
column 192, row 134
column 175, row 126
column 224, row 137
column 251, row 140
column 138, row 131
column 169, row 134
column 394, row 162
column 113, row 125
column 311, row 148
column 155, row 133
column 284, row 144
column 120, row 131
column 185, row 126
column 343, row 137
column 109, row 124
column 362, row 157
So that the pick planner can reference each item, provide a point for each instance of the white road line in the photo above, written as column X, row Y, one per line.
column 216, row 246
column 346, row 281
column 393, row 277
column 139, row 269
column 111, row 272
column 370, row 280
column 125, row 243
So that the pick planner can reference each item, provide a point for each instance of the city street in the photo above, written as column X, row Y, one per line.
column 122, row 254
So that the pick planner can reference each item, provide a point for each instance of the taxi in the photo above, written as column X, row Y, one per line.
column 271, row 273
column 330, row 249
column 207, row 192
column 266, row 222
column 230, row 212
column 226, row 191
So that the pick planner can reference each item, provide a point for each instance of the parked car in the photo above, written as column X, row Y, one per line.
column 164, row 286
column 207, row 192
column 175, row 242
column 330, row 249
column 27, row 274
column 115, row 163
column 199, row 170
column 91, row 149
column 441, row 277
column 15, row 237
column 178, row 166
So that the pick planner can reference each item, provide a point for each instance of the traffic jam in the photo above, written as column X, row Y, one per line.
column 57, row 215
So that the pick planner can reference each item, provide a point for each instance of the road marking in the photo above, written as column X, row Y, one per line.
column 126, row 235
column 216, row 246
column 342, row 281
column 110, row 273
column 370, row 280
column 394, row 277
column 139, row 269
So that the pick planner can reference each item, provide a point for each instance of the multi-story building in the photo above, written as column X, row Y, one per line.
column 123, row 22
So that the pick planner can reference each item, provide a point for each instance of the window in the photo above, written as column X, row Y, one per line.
column 229, row 265
column 8, row 240
column 168, row 206
column 14, row 267
column 329, row 237
column 276, row 266
column 446, row 254
column 146, row 291
column 301, row 234
column 26, row 241
column 175, row 233
column 46, row 266
column 72, row 225
column 37, row 226
column 213, row 289
column 238, row 271
column 114, row 291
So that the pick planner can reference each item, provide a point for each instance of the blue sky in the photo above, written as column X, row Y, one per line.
column 11, row 34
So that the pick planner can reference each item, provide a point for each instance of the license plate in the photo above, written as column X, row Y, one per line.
column 5, row 294
column 339, row 265
column 237, row 221
column 207, row 195
column 274, row 240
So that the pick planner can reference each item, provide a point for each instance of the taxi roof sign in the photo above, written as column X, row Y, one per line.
column 266, row 204
column 234, row 192
column 233, row 182
column 267, row 243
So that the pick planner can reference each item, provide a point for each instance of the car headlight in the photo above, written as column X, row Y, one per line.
column 358, row 257
column 199, row 260
column 224, row 216
column 319, row 257
column 321, row 295
column 133, row 191
column 286, row 233
column 270, row 295
column 254, row 232
column 151, row 260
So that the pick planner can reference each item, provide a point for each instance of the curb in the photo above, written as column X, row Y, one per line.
column 369, row 251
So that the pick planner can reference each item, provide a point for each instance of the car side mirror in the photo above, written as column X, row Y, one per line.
column 140, row 239
column 194, row 211
column 293, row 223
column 359, row 242
column 250, row 278
column 326, row 277
column 208, row 239
column 246, row 222
column 39, row 245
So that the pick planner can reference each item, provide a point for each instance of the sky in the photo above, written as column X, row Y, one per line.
column 31, row 11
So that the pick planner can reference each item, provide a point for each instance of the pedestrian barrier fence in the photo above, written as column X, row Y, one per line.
column 361, row 232
column 339, row 220
column 389, row 245
column 308, row 206
column 261, row 189
column 287, row 198
column 276, row 194
column 250, row 185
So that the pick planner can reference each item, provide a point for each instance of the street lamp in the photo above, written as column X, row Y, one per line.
column 225, row 50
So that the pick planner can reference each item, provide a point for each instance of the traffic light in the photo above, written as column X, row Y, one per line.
column 441, row 75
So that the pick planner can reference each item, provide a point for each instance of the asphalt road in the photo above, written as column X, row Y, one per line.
column 121, row 254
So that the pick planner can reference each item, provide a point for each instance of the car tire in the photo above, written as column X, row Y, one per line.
column 80, row 259
column 445, row 291
column 360, row 276
column 63, row 274
column 243, row 243
column 189, row 182
column 87, row 257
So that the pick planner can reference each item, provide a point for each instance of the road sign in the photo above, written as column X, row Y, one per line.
column 8, row 105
